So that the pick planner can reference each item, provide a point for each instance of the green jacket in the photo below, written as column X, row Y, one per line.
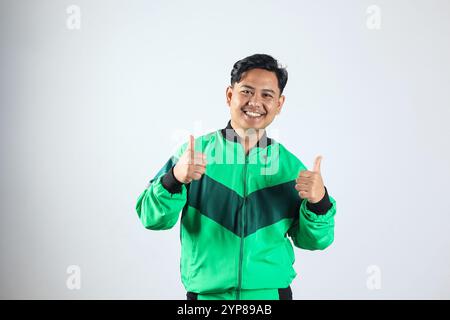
column 237, row 219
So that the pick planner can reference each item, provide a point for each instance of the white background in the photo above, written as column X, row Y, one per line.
column 88, row 116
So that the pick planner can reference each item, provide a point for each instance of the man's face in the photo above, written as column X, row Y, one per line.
column 255, row 100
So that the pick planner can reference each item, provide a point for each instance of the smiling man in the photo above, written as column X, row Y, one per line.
column 243, row 197
column 254, row 99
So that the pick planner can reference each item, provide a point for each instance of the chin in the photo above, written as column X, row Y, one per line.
column 258, row 126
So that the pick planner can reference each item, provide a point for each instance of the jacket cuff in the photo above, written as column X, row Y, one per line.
column 322, row 206
column 170, row 183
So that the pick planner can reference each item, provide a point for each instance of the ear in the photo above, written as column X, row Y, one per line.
column 229, row 94
column 281, row 100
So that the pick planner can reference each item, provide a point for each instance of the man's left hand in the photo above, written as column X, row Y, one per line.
column 309, row 184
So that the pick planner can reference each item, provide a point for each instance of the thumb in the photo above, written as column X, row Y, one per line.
column 317, row 164
column 191, row 143
column 191, row 148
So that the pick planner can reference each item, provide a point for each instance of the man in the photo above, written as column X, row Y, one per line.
column 243, row 196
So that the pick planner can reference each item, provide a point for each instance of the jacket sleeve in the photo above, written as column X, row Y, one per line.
column 314, row 227
column 159, row 205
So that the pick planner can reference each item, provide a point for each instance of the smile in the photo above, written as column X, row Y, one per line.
column 251, row 114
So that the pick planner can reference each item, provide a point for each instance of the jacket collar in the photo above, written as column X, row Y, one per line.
column 230, row 134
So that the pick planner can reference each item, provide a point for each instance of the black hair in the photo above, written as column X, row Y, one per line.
column 259, row 61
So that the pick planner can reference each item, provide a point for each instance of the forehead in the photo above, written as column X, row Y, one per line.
column 260, row 78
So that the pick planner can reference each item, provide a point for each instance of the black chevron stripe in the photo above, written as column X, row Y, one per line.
column 217, row 202
column 263, row 207
column 270, row 205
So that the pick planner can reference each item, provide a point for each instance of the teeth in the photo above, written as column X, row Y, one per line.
column 252, row 114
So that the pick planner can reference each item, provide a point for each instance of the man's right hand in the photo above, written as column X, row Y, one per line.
column 191, row 165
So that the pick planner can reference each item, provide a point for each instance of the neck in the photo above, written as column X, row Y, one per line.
column 249, row 136
column 248, row 133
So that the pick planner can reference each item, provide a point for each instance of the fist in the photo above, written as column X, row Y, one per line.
column 309, row 184
column 191, row 165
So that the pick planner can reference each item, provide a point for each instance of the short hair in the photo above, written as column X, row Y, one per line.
column 259, row 61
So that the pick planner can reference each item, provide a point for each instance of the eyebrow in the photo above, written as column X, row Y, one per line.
column 250, row 87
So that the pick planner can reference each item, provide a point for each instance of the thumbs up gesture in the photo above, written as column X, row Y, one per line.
column 309, row 184
column 191, row 165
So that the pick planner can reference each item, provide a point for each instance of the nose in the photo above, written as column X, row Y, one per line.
column 254, row 101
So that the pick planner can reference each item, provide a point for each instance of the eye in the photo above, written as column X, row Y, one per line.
column 245, row 92
column 267, row 95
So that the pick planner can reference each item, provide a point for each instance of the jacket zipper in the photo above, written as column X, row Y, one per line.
column 241, row 253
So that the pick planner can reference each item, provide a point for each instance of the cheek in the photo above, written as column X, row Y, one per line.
column 238, row 102
column 272, row 109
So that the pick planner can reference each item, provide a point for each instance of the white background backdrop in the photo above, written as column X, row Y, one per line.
column 89, row 115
